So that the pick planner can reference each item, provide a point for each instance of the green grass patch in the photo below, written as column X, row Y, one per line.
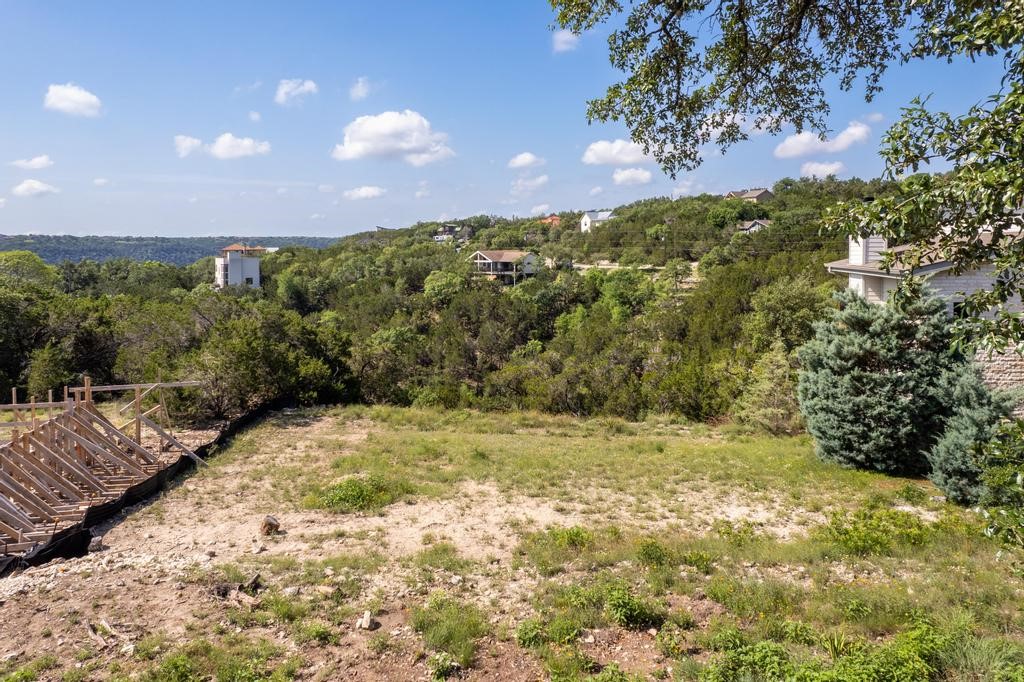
column 874, row 531
column 442, row 556
column 451, row 626
column 237, row 659
column 32, row 670
column 359, row 494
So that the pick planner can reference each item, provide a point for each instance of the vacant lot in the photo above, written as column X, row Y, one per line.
column 523, row 547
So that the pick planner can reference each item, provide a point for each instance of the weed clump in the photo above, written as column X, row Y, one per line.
column 630, row 611
column 442, row 665
column 652, row 553
column 359, row 494
column 451, row 627
column 874, row 531
column 553, row 548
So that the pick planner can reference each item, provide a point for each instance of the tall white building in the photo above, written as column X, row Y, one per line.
column 238, row 265
column 591, row 219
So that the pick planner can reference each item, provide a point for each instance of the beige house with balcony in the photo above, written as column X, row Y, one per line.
column 507, row 265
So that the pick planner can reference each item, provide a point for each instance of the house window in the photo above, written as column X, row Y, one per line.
column 248, row 280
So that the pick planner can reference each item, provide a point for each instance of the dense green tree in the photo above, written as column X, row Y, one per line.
column 871, row 384
column 785, row 310
column 22, row 269
column 957, row 461
column 49, row 370
column 769, row 401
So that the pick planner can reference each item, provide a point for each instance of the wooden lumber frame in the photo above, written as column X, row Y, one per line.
column 71, row 456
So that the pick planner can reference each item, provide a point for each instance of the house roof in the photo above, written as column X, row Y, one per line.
column 503, row 256
column 747, row 224
column 600, row 215
column 747, row 193
column 930, row 263
column 242, row 247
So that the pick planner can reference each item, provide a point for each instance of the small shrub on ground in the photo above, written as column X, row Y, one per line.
column 380, row 643
column 316, row 633
column 442, row 665
column 531, row 633
column 722, row 635
column 613, row 673
column 574, row 537
column 912, row 494
column 650, row 552
column 450, row 626
column 748, row 598
column 31, row 671
column 672, row 641
column 702, row 561
column 737, row 533
column 631, row 611
column 956, row 459
column 359, row 494
column 552, row 549
column 874, row 531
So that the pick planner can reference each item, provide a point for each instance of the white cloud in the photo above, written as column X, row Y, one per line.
column 293, row 90
column 802, row 144
column 406, row 135
column 364, row 192
column 193, row 200
column 255, row 116
column 33, row 188
column 325, row 189
column 35, row 163
column 594, row 191
column 360, row 89
column 631, row 176
column 564, row 41
column 281, row 191
column 100, row 182
column 3, row 202
column 875, row 117
column 525, row 160
column 185, row 145
column 73, row 100
column 423, row 190
column 686, row 188
column 523, row 186
column 317, row 216
column 540, row 209
column 614, row 153
column 818, row 169
column 227, row 146
column 251, row 87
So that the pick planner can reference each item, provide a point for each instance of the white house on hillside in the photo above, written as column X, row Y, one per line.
column 753, row 225
column 238, row 264
column 865, row 275
column 592, row 219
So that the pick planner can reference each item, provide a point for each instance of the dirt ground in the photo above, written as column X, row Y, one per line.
column 143, row 580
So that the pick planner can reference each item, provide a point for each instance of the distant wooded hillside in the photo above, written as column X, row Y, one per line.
column 173, row 250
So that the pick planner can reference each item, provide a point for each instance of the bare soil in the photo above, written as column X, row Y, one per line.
column 144, row 580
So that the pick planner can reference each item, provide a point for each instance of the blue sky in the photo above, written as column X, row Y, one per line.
column 204, row 118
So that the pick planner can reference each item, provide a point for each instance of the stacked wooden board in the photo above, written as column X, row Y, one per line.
column 59, row 467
